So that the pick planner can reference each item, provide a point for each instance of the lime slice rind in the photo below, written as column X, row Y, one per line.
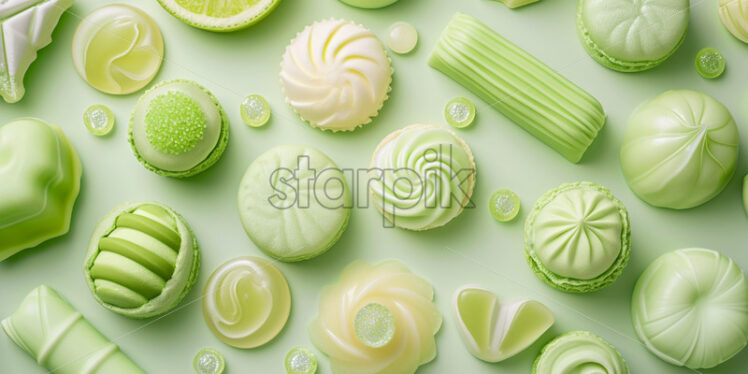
column 214, row 20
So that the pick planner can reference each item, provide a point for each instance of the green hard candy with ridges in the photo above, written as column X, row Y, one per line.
column 40, row 173
column 142, row 260
column 178, row 129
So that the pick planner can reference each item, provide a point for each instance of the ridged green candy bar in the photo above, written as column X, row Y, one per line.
column 520, row 86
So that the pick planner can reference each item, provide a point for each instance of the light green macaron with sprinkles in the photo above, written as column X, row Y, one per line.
column 178, row 129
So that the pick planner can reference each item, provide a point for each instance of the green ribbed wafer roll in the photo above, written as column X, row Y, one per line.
column 58, row 337
column 142, row 260
column 520, row 86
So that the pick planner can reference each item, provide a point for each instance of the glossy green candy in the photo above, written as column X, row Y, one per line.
column 632, row 36
column 208, row 361
column 493, row 332
column 520, row 86
column 255, row 111
column 142, row 260
column 710, row 63
column 504, row 205
column 459, row 112
column 579, row 352
column 40, row 173
column 99, row 119
column 294, row 202
column 369, row 4
column 680, row 149
column 374, row 325
column 517, row 3
column 745, row 194
column 578, row 237
column 690, row 308
column 301, row 360
column 402, row 37
column 178, row 129
column 57, row 336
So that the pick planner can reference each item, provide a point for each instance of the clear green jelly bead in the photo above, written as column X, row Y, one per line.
column 301, row 360
column 374, row 325
column 255, row 111
column 504, row 205
column 99, row 119
column 209, row 361
column 459, row 112
column 710, row 63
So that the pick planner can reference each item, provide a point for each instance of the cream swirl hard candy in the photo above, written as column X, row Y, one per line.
column 377, row 319
column 579, row 352
column 690, row 308
column 336, row 75
column 422, row 177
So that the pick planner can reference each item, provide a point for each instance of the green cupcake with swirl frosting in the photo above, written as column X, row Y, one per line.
column 579, row 352
column 422, row 177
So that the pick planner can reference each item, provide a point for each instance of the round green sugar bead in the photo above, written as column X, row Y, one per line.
column 301, row 360
column 710, row 63
column 459, row 112
column 175, row 123
column 402, row 37
column 374, row 325
column 99, row 119
column 255, row 110
column 504, row 205
column 369, row 4
column 209, row 361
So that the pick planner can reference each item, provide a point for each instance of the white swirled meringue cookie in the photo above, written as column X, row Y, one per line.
column 336, row 75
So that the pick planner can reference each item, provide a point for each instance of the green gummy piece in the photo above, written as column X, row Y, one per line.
column 517, row 3
column 209, row 361
column 374, row 325
column 680, row 149
column 40, row 177
column 504, row 205
column 459, row 112
column 116, row 294
column 579, row 352
column 301, row 360
column 710, row 63
column 153, row 228
column 476, row 309
column 175, row 123
column 520, row 86
column 125, row 271
column 369, row 4
column 690, row 308
column 255, row 111
column 99, row 119
column 61, row 340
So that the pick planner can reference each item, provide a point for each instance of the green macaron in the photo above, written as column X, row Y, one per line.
column 178, row 129
column 578, row 238
column 142, row 260
column 631, row 36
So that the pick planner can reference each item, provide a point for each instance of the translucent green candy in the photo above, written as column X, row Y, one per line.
column 459, row 112
column 208, row 361
column 504, row 205
column 520, row 86
column 517, row 3
column 710, row 63
column 402, row 37
column 300, row 360
column 99, row 119
column 374, row 325
column 255, row 111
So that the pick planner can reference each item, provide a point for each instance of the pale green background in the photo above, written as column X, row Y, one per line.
column 472, row 249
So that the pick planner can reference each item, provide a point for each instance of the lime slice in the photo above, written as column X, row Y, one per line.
column 504, row 205
column 99, row 119
column 374, row 325
column 459, row 112
column 300, row 360
column 255, row 111
column 219, row 15
column 208, row 361
column 710, row 63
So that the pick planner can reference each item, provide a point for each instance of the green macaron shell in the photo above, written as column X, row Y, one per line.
column 142, row 260
column 40, row 177
column 291, row 222
column 579, row 352
column 178, row 129
column 618, row 33
column 608, row 250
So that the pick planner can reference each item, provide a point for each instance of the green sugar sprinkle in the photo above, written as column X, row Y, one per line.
column 175, row 123
column 374, row 325
column 300, row 360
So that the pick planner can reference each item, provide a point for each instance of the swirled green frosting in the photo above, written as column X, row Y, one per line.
column 422, row 177
column 579, row 352
column 690, row 308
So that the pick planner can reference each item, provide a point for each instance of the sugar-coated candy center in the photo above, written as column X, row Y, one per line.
column 175, row 123
column 374, row 325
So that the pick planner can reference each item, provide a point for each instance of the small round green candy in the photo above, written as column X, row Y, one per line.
column 99, row 119
column 504, row 205
column 301, row 360
column 369, row 4
column 402, row 37
column 209, row 361
column 374, row 325
column 255, row 110
column 459, row 112
column 710, row 63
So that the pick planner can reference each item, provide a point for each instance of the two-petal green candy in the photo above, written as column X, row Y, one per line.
column 690, row 308
column 39, row 182
column 493, row 332
column 680, row 149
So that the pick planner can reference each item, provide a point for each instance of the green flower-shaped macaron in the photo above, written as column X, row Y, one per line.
column 178, row 129
column 39, row 181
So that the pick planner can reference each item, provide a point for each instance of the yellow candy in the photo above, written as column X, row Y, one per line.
column 117, row 49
